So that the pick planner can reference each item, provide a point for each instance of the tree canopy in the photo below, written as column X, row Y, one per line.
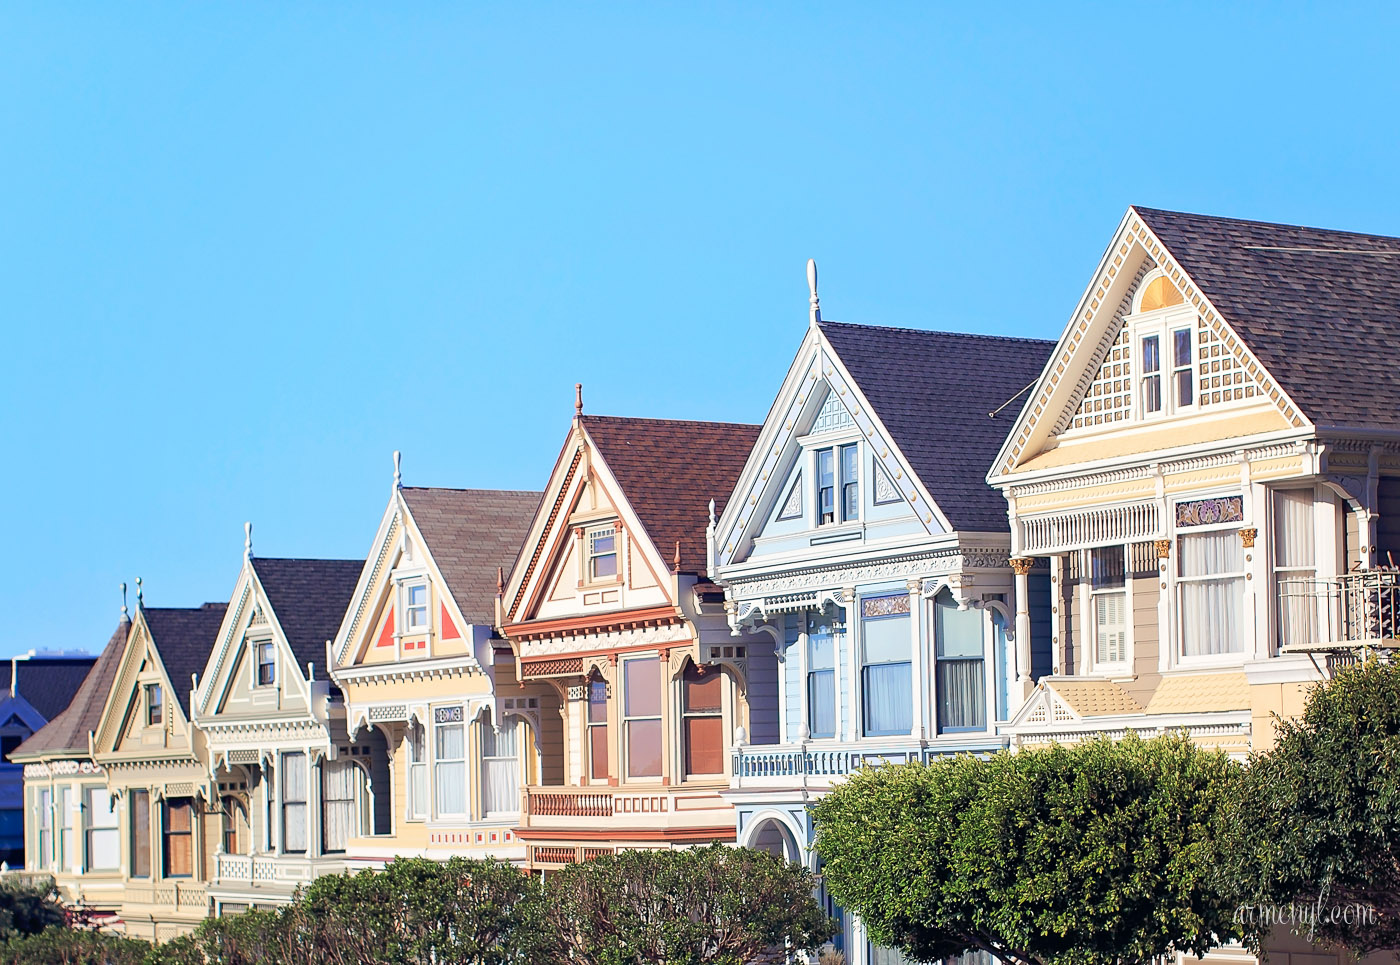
column 1095, row 853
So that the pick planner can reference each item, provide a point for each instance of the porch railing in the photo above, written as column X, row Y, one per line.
column 1354, row 612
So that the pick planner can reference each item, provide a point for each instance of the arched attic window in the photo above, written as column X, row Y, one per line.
column 1164, row 340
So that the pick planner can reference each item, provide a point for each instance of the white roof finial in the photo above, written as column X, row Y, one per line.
column 398, row 475
column 248, row 541
column 816, row 315
column 138, row 591
column 125, row 614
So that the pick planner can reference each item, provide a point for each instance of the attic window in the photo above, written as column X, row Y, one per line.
column 267, row 668
column 602, row 553
column 415, row 607
column 155, row 705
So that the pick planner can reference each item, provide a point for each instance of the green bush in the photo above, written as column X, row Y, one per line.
column 60, row 945
column 28, row 908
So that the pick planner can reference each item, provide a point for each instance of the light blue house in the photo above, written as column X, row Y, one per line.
column 864, row 546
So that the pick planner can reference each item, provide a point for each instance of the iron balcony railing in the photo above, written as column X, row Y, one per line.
column 1353, row 613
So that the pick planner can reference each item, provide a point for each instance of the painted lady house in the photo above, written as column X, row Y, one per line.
column 609, row 607
column 158, row 798
column 71, row 821
column 1211, row 467
column 424, row 675
column 864, row 552
column 292, row 788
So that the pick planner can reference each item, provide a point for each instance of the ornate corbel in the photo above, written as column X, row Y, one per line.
column 1247, row 536
column 1022, row 564
column 1164, row 548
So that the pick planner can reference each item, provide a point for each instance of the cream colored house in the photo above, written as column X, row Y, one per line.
column 293, row 788
column 158, row 772
column 423, row 675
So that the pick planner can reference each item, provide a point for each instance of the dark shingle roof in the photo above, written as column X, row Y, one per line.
column 933, row 391
column 1321, row 309
column 470, row 534
column 184, row 637
column 47, row 683
column 309, row 599
column 68, row 732
column 669, row 471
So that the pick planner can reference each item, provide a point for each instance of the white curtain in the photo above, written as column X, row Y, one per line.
column 1295, row 565
column 294, row 802
column 888, row 684
column 417, row 770
column 450, row 771
column 340, row 780
column 1211, row 591
column 501, row 759
column 961, row 681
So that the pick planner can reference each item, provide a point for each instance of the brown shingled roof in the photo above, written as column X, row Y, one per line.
column 68, row 732
column 669, row 470
column 470, row 533
column 309, row 598
column 1320, row 308
column 184, row 638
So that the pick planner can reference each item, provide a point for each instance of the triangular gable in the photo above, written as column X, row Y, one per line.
column 581, row 486
column 1089, row 380
column 120, row 725
column 1058, row 701
column 18, row 712
column 368, row 635
column 817, row 392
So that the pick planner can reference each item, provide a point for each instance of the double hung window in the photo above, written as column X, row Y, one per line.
column 1295, row 566
column 63, row 834
column 417, row 741
column 1108, row 590
column 500, row 764
column 101, row 834
column 821, row 678
column 294, row 786
column 450, row 762
column 155, row 705
column 1152, row 374
column 44, row 805
column 140, row 834
column 838, row 486
column 267, row 668
column 602, row 553
column 415, row 608
column 702, row 709
column 597, row 729
column 234, row 814
column 886, row 675
column 641, row 712
column 1210, row 592
column 339, row 783
column 1182, row 377
column 178, row 828
column 960, row 676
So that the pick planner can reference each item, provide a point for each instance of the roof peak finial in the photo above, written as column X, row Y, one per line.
column 248, row 540
column 398, row 472
column 816, row 314
column 139, row 597
column 126, row 615
column 578, row 399
column 500, row 581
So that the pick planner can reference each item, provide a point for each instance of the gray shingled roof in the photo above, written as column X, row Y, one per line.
column 470, row 534
column 1320, row 308
column 309, row 599
column 47, row 683
column 184, row 637
column 68, row 732
column 933, row 391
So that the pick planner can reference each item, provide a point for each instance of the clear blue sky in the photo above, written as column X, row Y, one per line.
column 247, row 250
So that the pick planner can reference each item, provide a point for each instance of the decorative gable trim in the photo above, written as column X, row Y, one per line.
column 545, row 531
column 370, row 582
column 1133, row 234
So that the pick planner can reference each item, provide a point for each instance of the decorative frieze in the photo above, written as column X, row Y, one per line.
column 62, row 769
column 925, row 565
column 584, row 642
column 1209, row 512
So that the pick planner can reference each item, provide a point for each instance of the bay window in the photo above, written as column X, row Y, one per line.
column 641, row 715
column 1295, row 566
column 294, row 788
column 886, row 674
column 959, row 675
column 1210, row 593
column 702, row 712
column 178, row 828
column 1109, row 595
column 101, row 834
column 597, row 729
column 450, row 762
column 140, row 833
column 821, row 678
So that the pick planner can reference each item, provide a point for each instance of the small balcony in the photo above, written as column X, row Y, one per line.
column 1342, row 618
column 820, row 764
column 561, row 825
column 271, row 872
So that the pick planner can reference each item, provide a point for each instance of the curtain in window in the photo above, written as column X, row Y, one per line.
column 294, row 802
column 1295, row 566
column 887, row 680
column 103, row 841
column 1210, row 593
column 821, row 682
column 501, row 757
column 339, row 782
column 888, row 691
column 450, row 772
column 961, row 679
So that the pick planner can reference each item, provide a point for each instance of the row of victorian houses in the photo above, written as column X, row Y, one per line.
column 1178, row 516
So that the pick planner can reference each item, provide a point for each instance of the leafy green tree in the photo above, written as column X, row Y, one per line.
column 1096, row 853
column 1315, row 830
column 71, row 946
column 716, row 904
column 27, row 908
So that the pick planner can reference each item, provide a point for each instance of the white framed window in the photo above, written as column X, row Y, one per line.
column 294, row 802
column 602, row 553
column 417, row 741
column 155, row 705
column 1150, row 383
column 63, row 834
column 1108, row 595
column 415, row 607
column 1295, row 566
column 449, row 762
column 265, row 657
column 1210, row 594
column 340, row 784
column 887, row 694
column 641, row 717
column 960, row 672
column 838, row 484
column 500, row 766
column 101, row 834
column 44, row 807
column 821, row 675
column 597, row 725
column 1164, row 328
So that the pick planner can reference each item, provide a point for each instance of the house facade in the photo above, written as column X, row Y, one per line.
column 292, row 788
column 70, row 819
column 863, row 549
column 610, row 609
column 424, row 676
column 157, row 771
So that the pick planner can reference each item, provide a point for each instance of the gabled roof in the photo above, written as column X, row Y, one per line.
column 933, row 392
column 1319, row 308
column 183, row 637
column 47, row 683
column 669, row 470
column 309, row 598
column 68, row 732
column 470, row 534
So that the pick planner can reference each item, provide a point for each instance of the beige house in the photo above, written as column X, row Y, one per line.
column 157, row 771
column 425, row 677
column 1210, row 463
column 293, row 788
column 71, row 821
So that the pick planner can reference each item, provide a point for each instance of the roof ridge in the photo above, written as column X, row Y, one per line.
column 458, row 489
column 942, row 332
column 1146, row 211
column 304, row 559
column 673, row 422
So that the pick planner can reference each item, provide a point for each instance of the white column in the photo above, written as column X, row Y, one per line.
column 852, row 725
column 313, row 804
column 1057, row 618
column 1021, row 670
column 917, row 659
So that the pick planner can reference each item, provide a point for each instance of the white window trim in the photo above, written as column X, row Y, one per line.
column 1108, row 668
column 254, row 645
column 437, row 813
column 146, row 686
column 624, row 774
column 1179, row 659
column 836, row 442
column 416, row 810
column 1161, row 322
column 588, row 556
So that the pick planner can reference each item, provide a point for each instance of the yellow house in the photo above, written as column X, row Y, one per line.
column 71, row 821
column 158, row 772
column 421, row 669
column 1210, row 462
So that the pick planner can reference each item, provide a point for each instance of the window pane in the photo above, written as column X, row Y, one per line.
column 339, row 782
column 294, row 777
column 1152, row 393
column 1181, row 347
column 886, row 639
column 888, row 698
column 1151, row 357
column 597, row 702
column 598, row 752
column 642, row 686
column 1211, row 594
column 417, row 595
column 1106, row 565
column 1183, row 387
column 961, row 694
column 140, row 834
column 821, row 648
column 452, row 788
column 821, row 703
column 959, row 632
column 1293, row 528
column 451, row 742
column 1211, row 554
column 825, row 469
column 701, row 690
column 704, row 745
column 849, row 463
column 644, row 748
